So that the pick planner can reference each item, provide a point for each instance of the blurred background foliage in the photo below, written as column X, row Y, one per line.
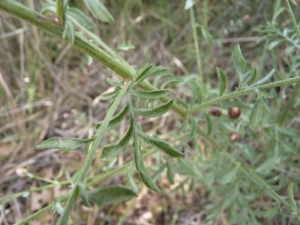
column 48, row 89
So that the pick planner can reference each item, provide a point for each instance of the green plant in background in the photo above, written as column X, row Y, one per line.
column 233, row 172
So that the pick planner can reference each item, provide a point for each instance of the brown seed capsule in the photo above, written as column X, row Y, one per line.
column 234, row 136
column 214, row 111
column 234, row 112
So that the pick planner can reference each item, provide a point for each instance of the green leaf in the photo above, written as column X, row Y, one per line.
column 289, row 49
column 89, row 60
column 206, row 34
column 252, row 76
column 49, row 7
column 140, row 167
column 248, row 152
column 110, row 151
column 124, row 47
column 192, row 184
column 257, row 113
column 182, row 102
column 57, row 207
column 264, row 80
column 75, row 176
column 230, row 176
column 110, row 94
column 83, row 195
column 266, row 95
column 110, row 194
column 64, row 144
column 157, row 174
column 69, row 31
column 208, row 123
column 180, row 186
column 222, row 81
column 169, row 80
column 110, row 104
column 186, row 167
column 183, row 125
column 132, row 183
column 86, row 147
column 117, row 119
column 292, row 202
column 287, row 131
column 162, row 145
column 193, row 128
column 271, row 212
column 273, row 44
column 155, row 111
column 239, row 63
column 162, row 74
column 170, row 174
column 142, row 73
column 114, row 83
column 267, row 165
column 81, row 19
column 196, row 91
column 99, row 11
column 188, row 4
column 150, row 94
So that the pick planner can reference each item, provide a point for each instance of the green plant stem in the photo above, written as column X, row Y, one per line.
column 60, row 12
column 243, row 92
column 290, row 103
column 198, row 54
column 297, row 88
column 293, row 18
column 34, row 215
column 7, row 198
column 82, row 44
column 91, row 154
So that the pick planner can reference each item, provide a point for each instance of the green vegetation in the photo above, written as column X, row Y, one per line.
column 185, row 99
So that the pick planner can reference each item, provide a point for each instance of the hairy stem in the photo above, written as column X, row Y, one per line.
column 296, row 27
column 198, row 54
column 243, row 92
column 290, row 103
column 297, row 87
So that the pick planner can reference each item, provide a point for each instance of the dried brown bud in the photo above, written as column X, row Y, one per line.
column 258, row 130
column 234, row 112
column 234, row 136
column 214, row 111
